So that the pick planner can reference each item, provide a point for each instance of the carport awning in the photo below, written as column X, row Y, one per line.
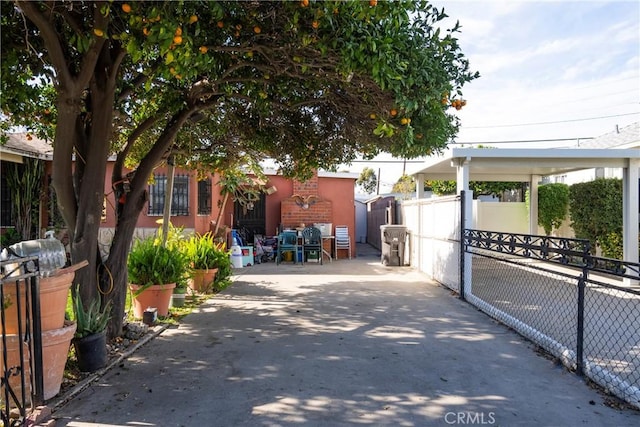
column 525, row 165
column 517, row 164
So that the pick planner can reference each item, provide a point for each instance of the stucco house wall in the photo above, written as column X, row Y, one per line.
column 334, row 189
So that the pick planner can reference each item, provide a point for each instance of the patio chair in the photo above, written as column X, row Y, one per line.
column 342, row 240
column 312, row 242
column 287, row 242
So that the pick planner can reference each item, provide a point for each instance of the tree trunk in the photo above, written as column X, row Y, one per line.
column 93, row 145
column 127, row 217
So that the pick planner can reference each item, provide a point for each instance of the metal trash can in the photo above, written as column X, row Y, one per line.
column 393, row 239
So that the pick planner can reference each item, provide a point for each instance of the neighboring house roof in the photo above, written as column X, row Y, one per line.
column 20, row 144
column 627, row 137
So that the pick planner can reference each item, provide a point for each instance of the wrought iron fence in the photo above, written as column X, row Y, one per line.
column 554, row 292
column 21, row 363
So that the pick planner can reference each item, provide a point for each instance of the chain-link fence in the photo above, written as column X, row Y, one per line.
column 611, row 344
column 575, row 306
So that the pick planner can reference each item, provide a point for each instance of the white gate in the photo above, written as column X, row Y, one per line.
column 434, row 229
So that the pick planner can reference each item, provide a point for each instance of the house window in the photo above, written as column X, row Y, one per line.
column 179, row 200
column 204, row 197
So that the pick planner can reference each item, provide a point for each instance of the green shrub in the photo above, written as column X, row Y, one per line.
column 611, row 245
column 595, row 209
column 203, row 252
column 553, row 204
column 150, row 263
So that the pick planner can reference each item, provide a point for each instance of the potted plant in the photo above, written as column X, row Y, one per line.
column 154, row 270
column 205, row 257
column 90, row 339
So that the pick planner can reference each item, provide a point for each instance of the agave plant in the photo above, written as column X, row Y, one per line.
column 91, row 321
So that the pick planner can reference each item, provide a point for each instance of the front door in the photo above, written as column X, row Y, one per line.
column 249, row 220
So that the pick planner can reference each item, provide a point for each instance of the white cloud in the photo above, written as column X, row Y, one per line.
column 549, row 62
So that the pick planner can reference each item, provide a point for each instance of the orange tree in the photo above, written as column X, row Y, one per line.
column 309, row 84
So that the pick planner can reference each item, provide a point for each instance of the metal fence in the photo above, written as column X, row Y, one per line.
column 21, row 363
column 574, row 305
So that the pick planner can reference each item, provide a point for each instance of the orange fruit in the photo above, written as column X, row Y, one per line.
column 315, row 24
column 203, row 49
column 98, row 32
column 177, row 40
column 220, row 24
column 178, row 31
column 126, row 8
column 145, row 31
column 373, row 3
column 393, row 112
column 404, row 121
column 304, row 3
column 193, row 19
column 257, row 29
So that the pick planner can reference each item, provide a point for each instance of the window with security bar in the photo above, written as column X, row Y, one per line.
column 204, row 197
column 179, row 199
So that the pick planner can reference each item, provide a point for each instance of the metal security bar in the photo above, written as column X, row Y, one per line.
column 574, row 305
column 21, row 374
column 204, row 197
column 179, row 199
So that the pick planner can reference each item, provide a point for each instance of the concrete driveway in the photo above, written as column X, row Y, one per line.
column 347, row 343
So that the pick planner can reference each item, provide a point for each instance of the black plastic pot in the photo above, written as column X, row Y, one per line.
column 91, row 351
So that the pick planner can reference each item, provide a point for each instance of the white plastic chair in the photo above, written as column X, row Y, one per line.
column 342, row 240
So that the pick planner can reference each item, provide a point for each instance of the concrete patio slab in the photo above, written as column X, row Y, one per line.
column 347, row 343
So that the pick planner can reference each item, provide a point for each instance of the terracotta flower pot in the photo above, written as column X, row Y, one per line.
column 158, row 296
column 54, row 291
column 55, row 349
column 202, row 280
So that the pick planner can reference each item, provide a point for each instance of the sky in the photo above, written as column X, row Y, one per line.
column 548, row 70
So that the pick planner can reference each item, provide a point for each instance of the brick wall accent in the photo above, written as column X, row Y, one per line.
column 309, row 187
column 292, row 215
